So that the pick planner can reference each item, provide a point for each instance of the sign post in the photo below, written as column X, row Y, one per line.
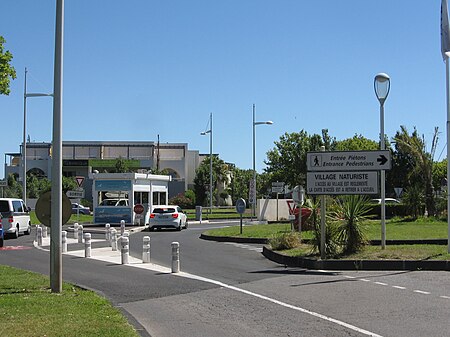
column 240, row 208
column 277, row 187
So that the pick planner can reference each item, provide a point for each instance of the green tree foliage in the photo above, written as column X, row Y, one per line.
column 121, row 166
column 7, row 72
column 411, row 148
column 202, row 179
column 357, row 143
column 14, row 188
column 439, row 174
column 287, row 160
column 414, row 200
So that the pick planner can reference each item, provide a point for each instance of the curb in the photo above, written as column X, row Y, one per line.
column 317, row 264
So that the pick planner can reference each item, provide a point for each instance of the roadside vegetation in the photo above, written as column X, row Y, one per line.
column 28, row 308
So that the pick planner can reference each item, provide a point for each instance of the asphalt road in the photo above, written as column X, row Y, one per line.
column 243, row 294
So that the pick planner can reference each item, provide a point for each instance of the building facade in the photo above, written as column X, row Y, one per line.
column 82, row 158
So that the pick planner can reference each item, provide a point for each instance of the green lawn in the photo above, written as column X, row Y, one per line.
column 395, row 230
column 28, row 308
column 74, row 218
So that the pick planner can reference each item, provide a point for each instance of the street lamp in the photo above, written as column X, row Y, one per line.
column 24, row 147
column 253, row 193
column 210, row 162
column 382, row 85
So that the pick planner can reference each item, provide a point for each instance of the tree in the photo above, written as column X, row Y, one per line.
column 121, row 166
column 413, row 148
column 201, row 181
column 7, row 72
column 356, row 143
column 287, row 161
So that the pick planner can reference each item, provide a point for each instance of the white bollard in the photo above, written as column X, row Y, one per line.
column 125, row 250
column 64, row 241
column 87, row 245
column 80, row 234
column 39, row 236
column 114, row 239
column 75, row 230
column 146, row 250
column 108, row 232
column 175, row 257
column 122, row 227
column 44, row 231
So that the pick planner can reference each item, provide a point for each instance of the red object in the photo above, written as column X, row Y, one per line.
column 306, row 212
column 11, row 219
column 138, row 209
column 175, row 215
column 152, row 216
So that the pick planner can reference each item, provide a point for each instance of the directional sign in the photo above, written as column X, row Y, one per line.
column 3, row 183
column 357, row 182
column 79, row 194
column 278, row 187
column 349, row 161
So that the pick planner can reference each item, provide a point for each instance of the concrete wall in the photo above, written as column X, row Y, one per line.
column 266, row 209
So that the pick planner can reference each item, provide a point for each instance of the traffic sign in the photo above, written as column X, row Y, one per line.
column 356, row 182
column 240, row 206
column 349, row 161
column 79, row 180
column 278, row 187
column 138, row 209
column 3, row 183
column 78, row 194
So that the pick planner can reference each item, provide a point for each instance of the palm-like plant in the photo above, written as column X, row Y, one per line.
column 351, row 212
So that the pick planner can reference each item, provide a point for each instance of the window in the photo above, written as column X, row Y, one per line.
column 17, row 205
column 4, row 206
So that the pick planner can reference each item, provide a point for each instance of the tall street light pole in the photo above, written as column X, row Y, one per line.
column 254, row 160
column 24, row 146
column 210, row 131
column 382, row 85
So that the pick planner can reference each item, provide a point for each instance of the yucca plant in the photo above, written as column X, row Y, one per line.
column 351, row 212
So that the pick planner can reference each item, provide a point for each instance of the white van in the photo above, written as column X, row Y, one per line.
column 15, row 217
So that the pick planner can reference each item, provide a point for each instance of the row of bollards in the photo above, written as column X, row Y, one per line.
column 111, row 236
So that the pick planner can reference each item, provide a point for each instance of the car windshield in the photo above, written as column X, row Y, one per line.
column 164, row 210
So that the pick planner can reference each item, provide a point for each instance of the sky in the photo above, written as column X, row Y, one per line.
column 141, row 68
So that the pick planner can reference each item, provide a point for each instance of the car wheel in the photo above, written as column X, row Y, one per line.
column 28, row 231
column 186, row 225
column 1, row 242
column 16, row 232
column 179, row 226
column 150, row 229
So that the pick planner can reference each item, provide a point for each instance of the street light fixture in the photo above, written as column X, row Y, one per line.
column 254, row 160
column 24, row 147
column 210, row 131
column 382, row 85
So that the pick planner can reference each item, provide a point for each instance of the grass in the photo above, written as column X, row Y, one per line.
column 81, row 219
column 28, row 308
column 396, row 229
column 219, row 213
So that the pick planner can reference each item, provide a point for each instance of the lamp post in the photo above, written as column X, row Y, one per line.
column 24, row 147
column 254, row 161
column 210, row 131
column 382, row 85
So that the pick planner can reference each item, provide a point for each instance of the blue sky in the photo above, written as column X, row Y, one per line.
column 136, row 69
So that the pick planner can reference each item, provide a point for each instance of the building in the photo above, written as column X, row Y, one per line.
column 82, row 158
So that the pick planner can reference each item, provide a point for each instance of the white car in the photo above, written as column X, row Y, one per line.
column 15, row 217
column 170, row 216
column 114, row 202
column 388, row 201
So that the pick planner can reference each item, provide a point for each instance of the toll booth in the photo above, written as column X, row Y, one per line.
column 115, row 196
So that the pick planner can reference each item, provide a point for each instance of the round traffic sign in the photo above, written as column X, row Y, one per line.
column 138, row 209
column 44, row 212
column 240, row 206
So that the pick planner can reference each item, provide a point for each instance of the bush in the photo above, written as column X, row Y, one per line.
column 182, row 201
column 284, row 241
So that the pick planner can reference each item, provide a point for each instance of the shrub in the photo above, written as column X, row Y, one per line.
column 284, row 241
column 182, row 201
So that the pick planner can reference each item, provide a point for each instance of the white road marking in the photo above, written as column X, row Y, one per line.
column 381, row 283
column 446, row 297
column 422, row 292
column 364, row 280
column 107, row 255
column 399, row 287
